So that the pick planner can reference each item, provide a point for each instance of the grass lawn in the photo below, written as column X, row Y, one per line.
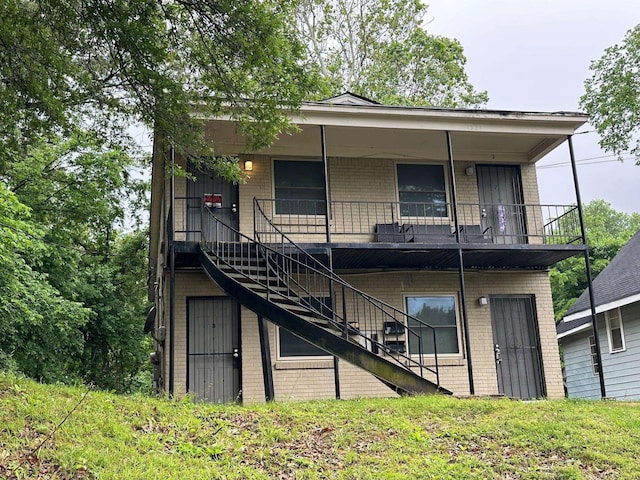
column 117, row 437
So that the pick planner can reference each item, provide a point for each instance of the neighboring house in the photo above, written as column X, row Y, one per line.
column 617, row 299
column 378, row 250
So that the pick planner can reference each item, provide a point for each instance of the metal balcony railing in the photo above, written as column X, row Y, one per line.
column 415, row 222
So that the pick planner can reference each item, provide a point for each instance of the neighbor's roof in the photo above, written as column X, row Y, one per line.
column 618, row 284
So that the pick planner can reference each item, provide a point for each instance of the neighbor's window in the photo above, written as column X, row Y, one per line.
column 439, row 312
column 292, row 346
column 299, row 187
column 594, row 354
column 615, row 332
column 422, row 190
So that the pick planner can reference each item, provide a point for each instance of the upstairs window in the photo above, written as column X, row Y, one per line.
column 439, row 312
column 299, row 187
column 421, row 190
column 615, row 332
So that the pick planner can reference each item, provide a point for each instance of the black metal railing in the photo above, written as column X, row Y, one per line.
column 419, row 222
column 285, row 271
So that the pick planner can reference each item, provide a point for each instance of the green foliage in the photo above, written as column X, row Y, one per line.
column 612, row 97
column 114, row 437
column 379, row 49
column 607, row 232
column 103, row 65
column 72, row 288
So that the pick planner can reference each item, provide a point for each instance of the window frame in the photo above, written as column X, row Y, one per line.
column 608, row 319
column 296, row 358
column 459, row 353
column 594, row 354
column 445, row 173
column 287, row 358
column 273, row 187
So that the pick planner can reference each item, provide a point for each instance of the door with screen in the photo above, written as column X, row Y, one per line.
column 501, row 203
column 213, row 349
column 516, row 346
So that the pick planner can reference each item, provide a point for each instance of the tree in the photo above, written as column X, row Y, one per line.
column 607, row 232
column 72, row 281
column 612, row 97
column 380, row 49
column 103, row 64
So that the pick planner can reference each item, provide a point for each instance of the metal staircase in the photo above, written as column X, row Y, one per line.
column 286, row 285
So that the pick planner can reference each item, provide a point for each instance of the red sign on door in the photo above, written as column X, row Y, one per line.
column 213, row 200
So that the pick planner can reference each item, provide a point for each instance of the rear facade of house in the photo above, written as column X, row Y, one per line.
column 376, row 251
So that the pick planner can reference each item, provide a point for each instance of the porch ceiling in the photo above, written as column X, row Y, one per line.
column 483, row 145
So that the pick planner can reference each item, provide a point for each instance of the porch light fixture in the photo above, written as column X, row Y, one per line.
column 248, row 165
column 469, row 171
column 482, row 301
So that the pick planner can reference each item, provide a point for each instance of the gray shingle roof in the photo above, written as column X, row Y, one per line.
column 619, row 279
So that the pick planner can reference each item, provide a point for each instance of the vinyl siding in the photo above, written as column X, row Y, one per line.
column 581, row 381
column 621, row 369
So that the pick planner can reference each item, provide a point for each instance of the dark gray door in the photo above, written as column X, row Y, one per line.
column 214, row 349
column 516, row 346
column 198, row 217
column 501, row 203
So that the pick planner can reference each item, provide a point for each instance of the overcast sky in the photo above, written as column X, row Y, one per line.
column 534, row 55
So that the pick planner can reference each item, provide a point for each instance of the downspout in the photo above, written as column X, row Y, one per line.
column 172, row 274
column 327, row 199
column 463, row 293
column 587, row 263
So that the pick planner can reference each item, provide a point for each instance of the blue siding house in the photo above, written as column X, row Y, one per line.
column 617, row 298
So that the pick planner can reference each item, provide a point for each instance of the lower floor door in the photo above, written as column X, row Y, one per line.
column 517, row 346
column 213, row 349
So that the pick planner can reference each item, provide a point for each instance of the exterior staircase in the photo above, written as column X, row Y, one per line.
column 284, row 284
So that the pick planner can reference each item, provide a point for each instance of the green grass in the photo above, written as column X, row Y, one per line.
column 119, row 437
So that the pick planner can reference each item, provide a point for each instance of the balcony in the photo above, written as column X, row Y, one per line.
column 422, row 235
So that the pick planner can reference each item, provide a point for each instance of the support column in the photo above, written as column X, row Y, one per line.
column 172, row 273
column 265, row 351
column 327, row 197
column 463, row 293
column 587, row 263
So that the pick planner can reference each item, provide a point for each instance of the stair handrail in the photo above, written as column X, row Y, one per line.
column 320, row 268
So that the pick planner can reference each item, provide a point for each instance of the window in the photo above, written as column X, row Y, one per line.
column 421, row 190
column 615, row 332
column 293, row 346
column 299, row 187
column 439, row 312
column 594, row 354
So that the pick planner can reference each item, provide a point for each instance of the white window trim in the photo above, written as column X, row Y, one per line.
column 273, row 185
column 624, row 345
column 593, row 360
column 458, row 325
column 281, row 358
column 447, row 197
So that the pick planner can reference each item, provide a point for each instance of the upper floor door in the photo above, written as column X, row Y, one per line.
column 502, row 203
column 224, row 208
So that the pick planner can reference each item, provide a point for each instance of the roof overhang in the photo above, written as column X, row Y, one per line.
column 582, row 328
column 411, row 132
column 603, row 308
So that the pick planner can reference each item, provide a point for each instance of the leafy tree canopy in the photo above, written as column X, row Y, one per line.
column 612, row 97
column 607, row 232
column 101, row 64
column 380, row 49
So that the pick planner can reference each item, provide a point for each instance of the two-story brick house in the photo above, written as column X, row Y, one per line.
column 377, row 250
